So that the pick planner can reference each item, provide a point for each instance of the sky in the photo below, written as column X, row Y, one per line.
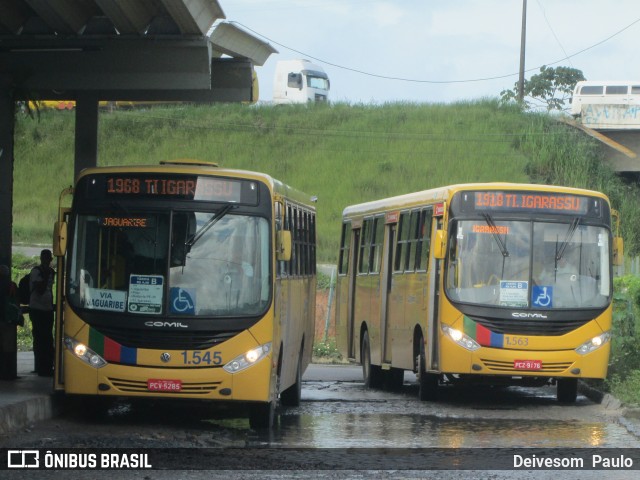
column 440, row 51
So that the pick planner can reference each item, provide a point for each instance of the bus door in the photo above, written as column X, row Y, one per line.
column 352, row 342
column 391, row 220
column 59, row 251
column 432, row 345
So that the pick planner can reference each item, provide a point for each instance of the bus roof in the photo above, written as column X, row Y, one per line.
column 441, row 194
column 608, row 82
column 197, row 167
column 605, row 83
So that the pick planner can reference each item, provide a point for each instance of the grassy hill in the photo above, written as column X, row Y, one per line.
column 342, row 153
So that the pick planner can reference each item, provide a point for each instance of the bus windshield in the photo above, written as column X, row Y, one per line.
column 170, row 263
column 528, row 264
column 317, row 82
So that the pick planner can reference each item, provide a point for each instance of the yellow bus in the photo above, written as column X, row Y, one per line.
column 186, row 280
column 496, row 283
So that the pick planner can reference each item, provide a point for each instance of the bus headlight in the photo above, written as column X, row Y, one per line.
column 248, row 358
column 84, row 353
column 460, row 338
column 594, row 344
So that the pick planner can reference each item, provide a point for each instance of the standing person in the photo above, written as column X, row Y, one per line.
column 9, row 321
column 41, row 314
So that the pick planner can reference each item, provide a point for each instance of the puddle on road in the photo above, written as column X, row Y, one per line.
column 419, row 431
column 356, row 418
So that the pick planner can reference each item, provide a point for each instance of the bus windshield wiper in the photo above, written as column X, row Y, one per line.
column 210, row 223
column 494, row 231
column 567, row 238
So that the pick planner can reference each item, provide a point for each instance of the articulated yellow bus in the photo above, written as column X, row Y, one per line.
column 186, row 280
column 495, row 283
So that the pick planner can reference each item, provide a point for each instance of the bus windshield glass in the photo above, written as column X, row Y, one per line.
column 192, row 263
column 528, row 264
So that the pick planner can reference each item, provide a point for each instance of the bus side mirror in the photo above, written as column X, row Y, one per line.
column 60, row 239
column 618, row 251
column 283, row 245
column 439, row 249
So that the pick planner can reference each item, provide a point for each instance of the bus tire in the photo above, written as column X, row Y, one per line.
column 427, row 382
column 291, row 396
column 567, row 390
column 372, row 374
column 262, row 416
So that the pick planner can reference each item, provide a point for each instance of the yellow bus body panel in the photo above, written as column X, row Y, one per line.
column 557, row 353
column 251, row 384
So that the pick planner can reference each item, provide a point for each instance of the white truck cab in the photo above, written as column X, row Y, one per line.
column 299, row 81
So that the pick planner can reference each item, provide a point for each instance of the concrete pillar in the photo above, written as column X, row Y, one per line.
column 7, row 126
column 86, row 140
column 8, row 337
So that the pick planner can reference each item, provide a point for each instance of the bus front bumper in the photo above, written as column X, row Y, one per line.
column 211, row 383
column 522, row 363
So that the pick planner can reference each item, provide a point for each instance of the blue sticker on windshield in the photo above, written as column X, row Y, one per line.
column 542, row 296
column 183, row 300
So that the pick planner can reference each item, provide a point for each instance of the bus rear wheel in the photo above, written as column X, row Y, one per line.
column 372, row 373
column 567, row 390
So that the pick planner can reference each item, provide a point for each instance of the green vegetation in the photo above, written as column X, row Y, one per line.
column 342, row 153
column 623, row 378
column 327, row 352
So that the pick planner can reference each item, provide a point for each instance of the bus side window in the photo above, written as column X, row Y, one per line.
column 289, row 226
column 312, row 241
column 403, row 237
column 376, row 244
column 424, row 240
column 591, row 90
column 412, row 244
column 365, row 247
column 616, row 90
column 345, row 244
column 282, row 264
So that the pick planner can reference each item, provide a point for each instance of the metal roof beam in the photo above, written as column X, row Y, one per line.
column 130, row 17
column 65, row 16
column 111, row 63
column 14, row 15
column 194, row 17
column 231, row 40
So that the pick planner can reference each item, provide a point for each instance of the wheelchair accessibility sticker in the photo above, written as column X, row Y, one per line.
column 183, row 300
column 542, row 296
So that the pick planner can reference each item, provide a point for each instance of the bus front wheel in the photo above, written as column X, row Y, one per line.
column 567, row 390
column 291, row 396
column 262, row 415
column 372, row 373
column 427, row 382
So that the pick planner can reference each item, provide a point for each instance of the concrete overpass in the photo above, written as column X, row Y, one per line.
column 92, row 50
column 617, row 127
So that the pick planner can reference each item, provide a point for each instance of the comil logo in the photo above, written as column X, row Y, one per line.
column 23, row 459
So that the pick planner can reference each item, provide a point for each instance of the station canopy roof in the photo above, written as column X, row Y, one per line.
column 122, row 48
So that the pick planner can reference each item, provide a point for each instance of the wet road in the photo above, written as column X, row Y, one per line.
column 339, row 414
